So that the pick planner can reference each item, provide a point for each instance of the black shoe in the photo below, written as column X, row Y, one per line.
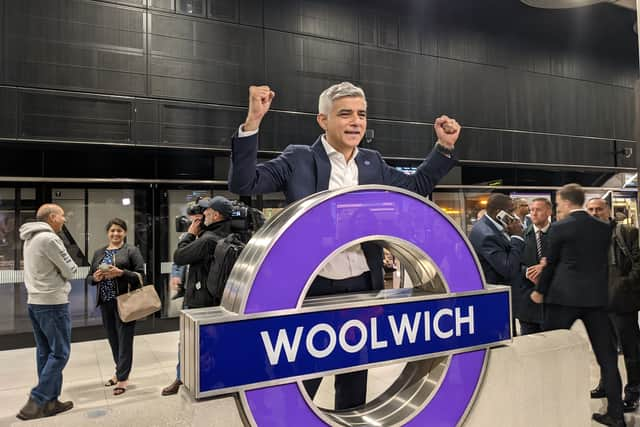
column 31, row 410
column 172, row 389
column 597, row 393
column 629, row 405
column 54, row 407
column 179, row 294
column 608, row 420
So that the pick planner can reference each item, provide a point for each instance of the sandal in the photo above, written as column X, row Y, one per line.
column 118, row 391
column 111, row 382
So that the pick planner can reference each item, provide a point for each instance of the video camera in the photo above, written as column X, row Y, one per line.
column 245, row 220
column 183, row 221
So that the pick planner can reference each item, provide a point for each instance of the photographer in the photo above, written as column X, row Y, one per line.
column 196, row 249
column 179, row 272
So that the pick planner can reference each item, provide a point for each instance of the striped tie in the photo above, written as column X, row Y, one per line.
column 539, row 243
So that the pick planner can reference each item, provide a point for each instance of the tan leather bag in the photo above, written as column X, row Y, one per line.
column 138, row 303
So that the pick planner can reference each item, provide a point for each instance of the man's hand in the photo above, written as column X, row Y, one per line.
column 447, row 130
column 175, row 282
column 533, row 272
column 194, row 228
column 260, row 98
column 98, row 276
column 536, row 297
column 514, row 228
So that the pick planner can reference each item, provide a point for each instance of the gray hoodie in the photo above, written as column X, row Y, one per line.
column 47, row 265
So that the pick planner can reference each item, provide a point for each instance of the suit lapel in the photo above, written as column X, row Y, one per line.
column 366, row 173
column 492, row 226
column 323, row 166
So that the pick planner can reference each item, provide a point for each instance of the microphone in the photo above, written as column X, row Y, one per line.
column 369, row 135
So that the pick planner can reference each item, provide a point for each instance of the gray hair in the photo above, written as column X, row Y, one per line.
column 337, row 91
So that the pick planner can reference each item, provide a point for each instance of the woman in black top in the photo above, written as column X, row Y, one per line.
column 115, row 268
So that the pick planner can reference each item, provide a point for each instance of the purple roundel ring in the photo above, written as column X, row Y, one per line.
column 326, row 222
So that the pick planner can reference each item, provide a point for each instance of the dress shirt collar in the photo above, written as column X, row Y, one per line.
column 496, row 223
column 331, row 152
column 543, row 229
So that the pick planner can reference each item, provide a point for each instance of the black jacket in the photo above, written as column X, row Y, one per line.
column 129, row 260
column 197, row 253
column 530, row 311
column 576, row 274
column 624, row 276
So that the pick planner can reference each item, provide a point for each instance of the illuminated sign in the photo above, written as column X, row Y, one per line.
column 266, row 338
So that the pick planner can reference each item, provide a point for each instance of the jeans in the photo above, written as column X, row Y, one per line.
column 52, row 332
column 184, row 307
column 178, row 365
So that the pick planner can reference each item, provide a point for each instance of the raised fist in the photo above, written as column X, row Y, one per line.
column 447, row 130
column 260, row 98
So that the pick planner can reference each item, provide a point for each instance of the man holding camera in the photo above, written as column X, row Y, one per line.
column 178, row 276
column 497, row 239
column 196, row 249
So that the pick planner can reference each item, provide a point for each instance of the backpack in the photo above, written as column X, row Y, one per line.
column 225, row 255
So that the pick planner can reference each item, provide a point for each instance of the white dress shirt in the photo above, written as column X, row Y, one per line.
column 543, row 229
column 351, row 262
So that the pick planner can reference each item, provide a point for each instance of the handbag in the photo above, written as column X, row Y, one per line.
column 138, row 303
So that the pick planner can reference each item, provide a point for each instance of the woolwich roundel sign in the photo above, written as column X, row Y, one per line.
column 266, row 338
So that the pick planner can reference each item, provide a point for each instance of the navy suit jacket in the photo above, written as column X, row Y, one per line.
column 500, row 258
column 302, row 170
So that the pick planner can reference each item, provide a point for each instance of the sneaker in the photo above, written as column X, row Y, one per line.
column 31, row 410
column 172, row 389
column 54, row 407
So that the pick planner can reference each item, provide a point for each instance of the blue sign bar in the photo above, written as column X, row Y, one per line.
column 265, row 349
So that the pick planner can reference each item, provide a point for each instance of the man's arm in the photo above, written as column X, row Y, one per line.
column 191, row 250
column 437, row 164
column 505, row 263
column 423, row 181
column 58, row 254
column 246, row 177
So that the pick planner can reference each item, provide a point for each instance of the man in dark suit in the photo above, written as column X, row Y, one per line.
column 535, row 239
column 624, row 296
column 573, row 285
column 499, row 246
column 334, row 161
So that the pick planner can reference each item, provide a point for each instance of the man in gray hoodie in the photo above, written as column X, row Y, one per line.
column 47, row 270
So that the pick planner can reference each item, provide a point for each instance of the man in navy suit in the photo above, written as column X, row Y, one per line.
column 499, row 246
column 334, row 161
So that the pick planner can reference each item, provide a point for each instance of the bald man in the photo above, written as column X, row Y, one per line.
column 624, row 291
column 47, row 270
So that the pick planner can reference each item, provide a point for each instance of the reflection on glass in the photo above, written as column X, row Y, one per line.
column 625, row 208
